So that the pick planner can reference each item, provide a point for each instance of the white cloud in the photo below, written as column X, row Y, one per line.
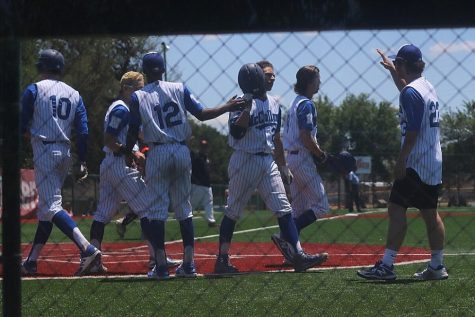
column 211, row 37
column 457, row 47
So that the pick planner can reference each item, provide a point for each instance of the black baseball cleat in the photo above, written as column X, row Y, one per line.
column 29, row 268
column 303, row 261
column 223, row 265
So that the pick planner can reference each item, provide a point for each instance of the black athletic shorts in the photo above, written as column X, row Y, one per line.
column 411, row 191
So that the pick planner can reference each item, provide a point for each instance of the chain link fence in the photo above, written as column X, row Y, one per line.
column 355, row 95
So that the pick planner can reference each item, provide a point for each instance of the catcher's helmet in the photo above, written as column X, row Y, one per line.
column 153, row 64
column 50, row 60
column 251, row 79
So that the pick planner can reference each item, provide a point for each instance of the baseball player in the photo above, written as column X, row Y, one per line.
column 418, row 170
column 121, row 224
column 161, row 108
column 309, row 200
column 254, row 134
column 50, row 108
column 201, row 191
column 119, row 181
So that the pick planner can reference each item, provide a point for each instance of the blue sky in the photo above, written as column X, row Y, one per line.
column 348, row 62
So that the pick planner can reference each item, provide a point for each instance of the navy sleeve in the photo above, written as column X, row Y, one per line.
column 80, row 118
column 305, row 115
column 236, row 132
column 413, row 105
column 134, row 116
column 82, row 131
column 279, row 120
column 118, row 119
column 191, row 103
column 27, row 104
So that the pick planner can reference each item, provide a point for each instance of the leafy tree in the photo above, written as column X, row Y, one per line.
column 368, row 129
column 219, row 151
column 458, row 144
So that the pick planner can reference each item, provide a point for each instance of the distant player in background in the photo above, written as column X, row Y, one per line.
column 254, row 134
column 50, row 108
column 201, row 191
column 418, row 170
column 161, row 109
column 309, row 200
column 353, row 191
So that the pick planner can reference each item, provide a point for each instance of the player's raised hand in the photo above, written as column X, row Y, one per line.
column 235, row 103
column 386, row 62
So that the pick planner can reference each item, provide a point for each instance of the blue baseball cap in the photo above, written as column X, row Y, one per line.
column 152, row 63
column 409, row 53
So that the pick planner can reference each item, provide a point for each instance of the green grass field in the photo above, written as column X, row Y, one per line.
column 334, row 292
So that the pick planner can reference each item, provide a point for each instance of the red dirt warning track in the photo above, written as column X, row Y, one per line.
column 132, row 258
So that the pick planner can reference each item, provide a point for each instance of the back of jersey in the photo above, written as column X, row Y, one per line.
column 291, row 135
column 426, row 155
column 163, row 113
column 54, row 111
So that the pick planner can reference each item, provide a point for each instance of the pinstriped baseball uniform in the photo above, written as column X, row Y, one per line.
column 419, row 111
column 118, row 181
column 252, row 165
column 55, row 108
column 163, row 108
column 307, row 188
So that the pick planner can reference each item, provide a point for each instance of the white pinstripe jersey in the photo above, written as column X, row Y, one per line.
column 264, row 123
column 291, row 135
column 115, row 122
column 54, row 111
column 163, row 113
column 426, row 155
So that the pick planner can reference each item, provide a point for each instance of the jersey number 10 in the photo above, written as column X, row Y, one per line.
column 62, row 108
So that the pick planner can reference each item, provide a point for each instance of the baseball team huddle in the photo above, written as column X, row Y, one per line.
column 284, row 170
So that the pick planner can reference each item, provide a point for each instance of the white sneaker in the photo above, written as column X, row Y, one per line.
column 432, row 274
column 87, row 260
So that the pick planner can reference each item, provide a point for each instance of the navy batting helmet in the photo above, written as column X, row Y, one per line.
column 50, row 60
column 153, row 64
column 251, row 79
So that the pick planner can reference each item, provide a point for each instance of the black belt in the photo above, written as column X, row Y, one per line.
column 294, row 152
column 48, row 142
column 162, row 143
column 262, row 153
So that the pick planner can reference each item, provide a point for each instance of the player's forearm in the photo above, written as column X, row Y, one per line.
column 310, row 143
column 132, row 137
column 111, row 142
column 211, row 113
column 279, row 151
column 244, row 118
column 398, row 81
column 82, row 146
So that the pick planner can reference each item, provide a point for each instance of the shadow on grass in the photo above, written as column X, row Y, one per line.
column 376, row 282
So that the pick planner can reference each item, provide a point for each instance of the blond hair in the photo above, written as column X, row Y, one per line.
column 131, row 79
